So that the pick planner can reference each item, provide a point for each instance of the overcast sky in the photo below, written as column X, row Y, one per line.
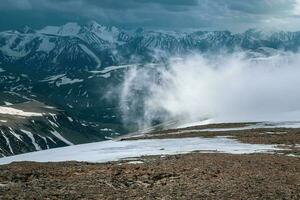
column 234, row 15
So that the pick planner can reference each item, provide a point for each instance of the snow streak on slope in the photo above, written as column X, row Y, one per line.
column 30, row 135
column 60, row 137
column 90, row 53
column 12, row 111
column 7, row 142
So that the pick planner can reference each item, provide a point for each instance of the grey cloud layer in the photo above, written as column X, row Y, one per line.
column 234, row 15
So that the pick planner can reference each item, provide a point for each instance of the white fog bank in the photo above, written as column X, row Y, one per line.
column 221, row 88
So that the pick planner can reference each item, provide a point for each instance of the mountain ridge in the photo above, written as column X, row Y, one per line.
column 113, row 45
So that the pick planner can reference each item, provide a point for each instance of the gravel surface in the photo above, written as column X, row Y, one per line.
column 191, row 176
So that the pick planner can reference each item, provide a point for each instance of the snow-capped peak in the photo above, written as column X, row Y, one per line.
column 104, row 32
column 69, row 29
column 51, row 30
column 107, row 33
column 26, row 30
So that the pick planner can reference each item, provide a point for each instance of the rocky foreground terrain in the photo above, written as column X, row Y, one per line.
column 197, row 175
column 192, row 176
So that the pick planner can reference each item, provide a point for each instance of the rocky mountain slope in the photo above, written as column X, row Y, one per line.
column 31, row 126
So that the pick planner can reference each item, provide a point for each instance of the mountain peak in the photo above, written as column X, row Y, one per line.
column 108, row 33
column 96, row 27
column 70, row 28
column 92, row 23
column 26, row 30
column 262, row 33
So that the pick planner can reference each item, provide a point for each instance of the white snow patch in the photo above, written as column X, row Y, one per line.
column 8, row 103
column 4, row 184
column 46, row 45
column 106, row 129
column 111, row 68
column 247, row 127
column 61, row 79
column 13, row 111
column 135, row 162
column 70, row 119
column 107, row 75
column 116, row 150
column 52, row 79
column 50, row 107
column 66, row 81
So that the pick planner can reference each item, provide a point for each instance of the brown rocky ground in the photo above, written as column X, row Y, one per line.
column 190, row 176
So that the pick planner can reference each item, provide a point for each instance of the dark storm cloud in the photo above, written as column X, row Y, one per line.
column 15, row 5
column 176, row 14
column 133, row 4
column 258, row 6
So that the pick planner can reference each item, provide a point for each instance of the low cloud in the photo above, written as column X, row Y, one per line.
column 220, row 88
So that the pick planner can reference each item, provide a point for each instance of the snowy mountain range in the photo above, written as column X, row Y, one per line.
column 92, row 46
column 73, row 67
